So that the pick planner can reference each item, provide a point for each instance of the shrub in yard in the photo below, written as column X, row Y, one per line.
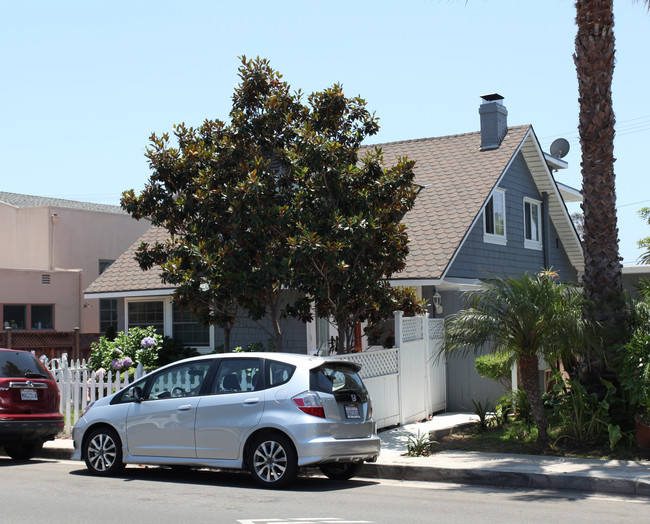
column 496, row 366
column 172, row 350
column 137, row 346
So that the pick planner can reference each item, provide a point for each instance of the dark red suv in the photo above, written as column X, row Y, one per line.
column 29, row 404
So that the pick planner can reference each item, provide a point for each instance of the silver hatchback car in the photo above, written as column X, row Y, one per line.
column 268, row 413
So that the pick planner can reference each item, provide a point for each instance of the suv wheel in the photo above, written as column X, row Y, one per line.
column 102, row 452
column 341, row 470
column 273, row 461
column 23, row 450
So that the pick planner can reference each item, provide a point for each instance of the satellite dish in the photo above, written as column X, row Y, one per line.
column 559, row 148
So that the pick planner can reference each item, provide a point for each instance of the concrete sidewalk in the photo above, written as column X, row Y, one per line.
column 489, row 469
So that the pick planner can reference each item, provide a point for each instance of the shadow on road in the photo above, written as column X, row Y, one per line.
column 224, row 478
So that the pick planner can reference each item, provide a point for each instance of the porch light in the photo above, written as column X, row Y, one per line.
column 437, row 303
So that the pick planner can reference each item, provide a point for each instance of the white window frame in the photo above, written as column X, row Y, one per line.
column 167, row 311
column 495, row 238
column 536, row 232
column 168, row 317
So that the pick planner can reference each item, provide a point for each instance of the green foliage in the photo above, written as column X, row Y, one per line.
column 525, row 317
column 483, row 413
column 137, row 346
column 171, row 350
column 582, row 416
column 397, row 298
column 634, row 371
column 496, row 366
column 514, row 404
column 255, row 347
column 418, row 446
column 276, row 199
column 502, row 411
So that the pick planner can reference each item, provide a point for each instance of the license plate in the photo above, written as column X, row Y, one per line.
column 28, row 394
column 352, row 411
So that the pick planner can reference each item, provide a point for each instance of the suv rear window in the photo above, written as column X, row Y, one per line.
column 335, row 379
column 20, row 364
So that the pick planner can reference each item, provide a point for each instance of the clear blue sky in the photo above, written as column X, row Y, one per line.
column 86, row 82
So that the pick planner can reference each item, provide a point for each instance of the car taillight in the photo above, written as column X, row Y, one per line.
column 310, row 403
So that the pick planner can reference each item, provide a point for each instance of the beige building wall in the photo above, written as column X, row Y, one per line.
column 26, row 286
column 67, row 244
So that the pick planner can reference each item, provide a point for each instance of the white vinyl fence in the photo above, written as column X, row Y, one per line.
column 406, row 383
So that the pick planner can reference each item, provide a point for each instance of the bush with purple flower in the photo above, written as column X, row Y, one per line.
column 127, row 350
column 148, row 342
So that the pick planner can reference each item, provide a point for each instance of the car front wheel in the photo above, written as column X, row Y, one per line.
column 341, row 470
column 273, row 461
column 103, row 452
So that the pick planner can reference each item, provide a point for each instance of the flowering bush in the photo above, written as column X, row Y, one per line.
column 137, row 346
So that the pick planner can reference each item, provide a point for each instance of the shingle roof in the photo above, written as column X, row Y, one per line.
column 457, row 178
column 125, row 275
column 17, row 200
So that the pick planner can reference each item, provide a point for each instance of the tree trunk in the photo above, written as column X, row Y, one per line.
column 594, row 60
column 226, row 338
column 529, row 375
column 273, row 303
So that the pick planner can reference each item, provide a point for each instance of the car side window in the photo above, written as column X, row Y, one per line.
column 236, row 375
column 279, row 372
column 180, row 381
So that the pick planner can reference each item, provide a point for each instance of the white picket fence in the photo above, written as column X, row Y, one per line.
column 78, row 386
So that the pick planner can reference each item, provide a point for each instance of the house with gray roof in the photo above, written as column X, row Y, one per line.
column 52, row 250
column 488, row 205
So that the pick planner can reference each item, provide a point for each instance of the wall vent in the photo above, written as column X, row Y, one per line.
column 45, row 279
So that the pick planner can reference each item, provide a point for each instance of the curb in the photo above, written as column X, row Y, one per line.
column 510, row 479
column 639, row 486
column 56, row 452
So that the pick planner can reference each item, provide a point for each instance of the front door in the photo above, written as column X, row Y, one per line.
column 162, row 425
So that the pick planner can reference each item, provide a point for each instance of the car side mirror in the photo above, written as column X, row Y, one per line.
column 136, row 393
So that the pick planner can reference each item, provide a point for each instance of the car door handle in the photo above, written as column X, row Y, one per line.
column 185, row 407
column 250, row 401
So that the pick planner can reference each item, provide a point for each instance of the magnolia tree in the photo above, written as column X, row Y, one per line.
column 277, row 199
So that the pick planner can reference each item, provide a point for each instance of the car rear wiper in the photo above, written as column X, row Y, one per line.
column 31, row 374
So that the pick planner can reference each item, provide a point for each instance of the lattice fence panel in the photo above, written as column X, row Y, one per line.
column 375, row 363
column 412, row 329
column 436, row 329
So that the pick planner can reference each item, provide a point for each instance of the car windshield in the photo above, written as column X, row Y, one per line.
column 335, row 378
column 19, row 364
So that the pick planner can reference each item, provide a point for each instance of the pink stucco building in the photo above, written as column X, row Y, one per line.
column 52, row 249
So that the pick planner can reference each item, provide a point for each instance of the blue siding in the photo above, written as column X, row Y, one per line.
column 247, row 331
column 479, row 259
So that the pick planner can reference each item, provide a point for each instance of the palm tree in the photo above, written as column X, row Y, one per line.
column 594, row 60
column 526, row 316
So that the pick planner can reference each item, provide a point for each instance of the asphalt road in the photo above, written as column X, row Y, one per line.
column 61, row 491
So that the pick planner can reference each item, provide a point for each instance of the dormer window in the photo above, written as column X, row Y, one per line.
column 494, row 218
column 532, row 224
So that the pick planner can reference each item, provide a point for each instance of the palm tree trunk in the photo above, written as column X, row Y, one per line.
column 594, row 60
column 529, row 375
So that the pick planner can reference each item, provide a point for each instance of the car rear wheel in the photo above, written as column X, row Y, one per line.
column 273, row 461
column 23, row 450
column 341, row 470
column 103, row 452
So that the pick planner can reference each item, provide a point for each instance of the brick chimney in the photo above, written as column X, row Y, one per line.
column 494, row 121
